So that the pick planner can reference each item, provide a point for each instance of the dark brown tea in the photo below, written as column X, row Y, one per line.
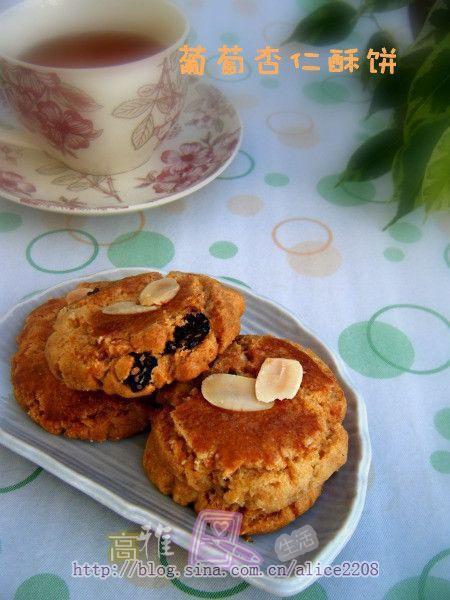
column 91, row 49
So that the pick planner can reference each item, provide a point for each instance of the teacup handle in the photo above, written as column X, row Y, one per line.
column 10, row 134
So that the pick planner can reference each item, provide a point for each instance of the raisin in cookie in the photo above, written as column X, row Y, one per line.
column 84, row 415
column 133, row 354
column 269, row 464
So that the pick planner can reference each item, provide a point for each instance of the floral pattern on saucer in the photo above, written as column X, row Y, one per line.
column 15, row 184
column 197, row 149
column 191, row 162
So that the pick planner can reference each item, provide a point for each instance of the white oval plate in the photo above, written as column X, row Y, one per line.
column 112, row 473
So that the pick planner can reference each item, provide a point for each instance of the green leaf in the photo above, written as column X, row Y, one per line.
column 435, row 26
column 380, row 39
column 385, row 5
column 436, row 182
column 439, row 20
column 374, row 157
column 429, row 93
column 409, row 165
column 391, row 91
column 329, row 23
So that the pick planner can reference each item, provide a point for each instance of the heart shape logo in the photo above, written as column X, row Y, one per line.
column 219, row 528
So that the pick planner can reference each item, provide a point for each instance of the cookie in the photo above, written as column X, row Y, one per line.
column 134, row 354
column 84, row 415
column 270, row 464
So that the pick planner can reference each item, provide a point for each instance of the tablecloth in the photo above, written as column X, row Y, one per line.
column 276, row 222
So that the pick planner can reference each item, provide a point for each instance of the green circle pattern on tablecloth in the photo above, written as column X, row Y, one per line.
column 394, row 254
column 246, row 171
column 326, row 92
column 424, row 587
column 33, row 263
column 276, row 179
column 9, row 221
column 405, row 232
column 349, row 193
column 387, row 354
column 45, row 586
column 440, row 459
column 223, row 249
column 355, row 349
column 424, row 576
column 191, row 591
column 146, row 249
column 22, row 483
column 314, row 592
column 442, row 422
column 436, row 589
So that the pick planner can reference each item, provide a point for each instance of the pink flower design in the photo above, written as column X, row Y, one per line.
column 172, row 179
column 23, row 81
column 15, row 184
column 224, row 145
column 209, row 110
column 51, row 107
column 65, row 129
column 190, row 154
column 191, row 163
column 185, row 166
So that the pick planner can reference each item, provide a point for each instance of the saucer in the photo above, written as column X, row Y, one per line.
column 194, row 152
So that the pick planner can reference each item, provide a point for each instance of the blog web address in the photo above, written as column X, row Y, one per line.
column 216, row 550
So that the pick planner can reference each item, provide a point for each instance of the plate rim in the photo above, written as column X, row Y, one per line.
column 111, row 212
column 133, row 512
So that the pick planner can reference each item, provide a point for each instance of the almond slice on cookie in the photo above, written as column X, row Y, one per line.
column 232, row 392
column 127, row 308
column 278, row 379
column 159, row 292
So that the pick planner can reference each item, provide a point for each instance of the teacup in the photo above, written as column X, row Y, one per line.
column 101, row 120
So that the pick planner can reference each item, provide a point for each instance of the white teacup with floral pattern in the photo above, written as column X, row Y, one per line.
column 96, row 120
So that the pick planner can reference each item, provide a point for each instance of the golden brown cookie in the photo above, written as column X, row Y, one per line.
column 132, row 355
column 271, row 464
column 85, row 415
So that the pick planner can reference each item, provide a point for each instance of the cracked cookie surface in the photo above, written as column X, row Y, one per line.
column 269, row 465
column 133, row 355
column 91, row 416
